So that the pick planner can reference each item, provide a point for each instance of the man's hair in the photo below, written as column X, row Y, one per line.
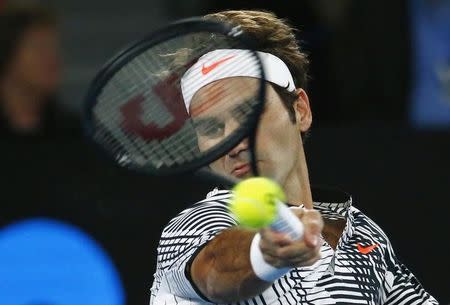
column 275, row 36
column 15, row 20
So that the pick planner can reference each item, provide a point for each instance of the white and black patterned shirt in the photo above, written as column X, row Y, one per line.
column 362, row 270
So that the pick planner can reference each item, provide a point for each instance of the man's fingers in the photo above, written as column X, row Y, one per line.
column 274, row 261
column 313, row 223
column 292, row 255
column 271, row 237
column 271, row 241
column 280, row 251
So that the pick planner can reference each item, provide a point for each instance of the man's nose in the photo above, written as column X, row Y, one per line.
column 241, row 147
column 231, row 125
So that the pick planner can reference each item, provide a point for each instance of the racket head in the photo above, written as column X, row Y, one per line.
column 128, row 117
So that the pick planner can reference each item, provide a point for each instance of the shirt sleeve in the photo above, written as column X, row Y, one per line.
column 401, row 286
column 182, row 239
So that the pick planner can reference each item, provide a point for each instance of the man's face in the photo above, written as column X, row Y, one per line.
column 278, row 139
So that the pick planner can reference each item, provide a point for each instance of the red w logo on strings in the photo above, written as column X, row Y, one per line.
column 171, row 99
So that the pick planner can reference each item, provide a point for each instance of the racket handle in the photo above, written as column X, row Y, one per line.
column 287, row 222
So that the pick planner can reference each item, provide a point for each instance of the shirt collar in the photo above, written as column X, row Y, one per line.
column 332, row 203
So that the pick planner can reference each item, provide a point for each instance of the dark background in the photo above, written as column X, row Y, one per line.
column 362, row 139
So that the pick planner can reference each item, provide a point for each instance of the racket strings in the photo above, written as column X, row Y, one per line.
column 152, row 67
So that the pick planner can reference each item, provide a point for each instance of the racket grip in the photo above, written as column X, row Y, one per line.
column 287, row 222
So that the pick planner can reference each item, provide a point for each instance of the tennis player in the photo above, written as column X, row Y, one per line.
column 344, row 257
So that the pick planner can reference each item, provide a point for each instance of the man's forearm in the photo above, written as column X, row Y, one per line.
column 222, row 269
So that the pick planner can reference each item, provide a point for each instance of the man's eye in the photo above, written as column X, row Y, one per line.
column 210, row 128
column 242, row 111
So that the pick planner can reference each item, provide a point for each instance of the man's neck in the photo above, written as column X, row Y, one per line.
column 297, row 186
column 298, row 191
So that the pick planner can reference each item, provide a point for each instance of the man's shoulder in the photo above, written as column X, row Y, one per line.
column 215, row 205
column 215, row 199
column 366, row 226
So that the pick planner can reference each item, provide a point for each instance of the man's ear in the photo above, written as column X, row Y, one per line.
column 303, row 114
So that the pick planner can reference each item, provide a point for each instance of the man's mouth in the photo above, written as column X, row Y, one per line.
column 241, row 170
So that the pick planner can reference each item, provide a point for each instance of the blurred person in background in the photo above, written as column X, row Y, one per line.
column 30, row 72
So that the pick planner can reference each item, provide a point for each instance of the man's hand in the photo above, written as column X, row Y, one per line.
column 280, row 251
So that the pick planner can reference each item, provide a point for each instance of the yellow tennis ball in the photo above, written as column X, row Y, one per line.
column 254, row 200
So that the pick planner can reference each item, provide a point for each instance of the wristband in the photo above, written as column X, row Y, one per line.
column 261, row 268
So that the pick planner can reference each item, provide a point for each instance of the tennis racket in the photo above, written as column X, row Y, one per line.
column 169, row 103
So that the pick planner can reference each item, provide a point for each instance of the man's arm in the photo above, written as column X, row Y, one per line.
column 222, row 270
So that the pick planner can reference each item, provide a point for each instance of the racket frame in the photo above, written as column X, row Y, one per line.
column 126, row 55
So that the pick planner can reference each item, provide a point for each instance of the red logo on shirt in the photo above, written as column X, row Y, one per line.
column 366, row 249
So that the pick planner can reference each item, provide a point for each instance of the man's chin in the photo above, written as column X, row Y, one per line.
column 247, row 175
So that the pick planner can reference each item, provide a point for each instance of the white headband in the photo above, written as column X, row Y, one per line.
column 217, row 65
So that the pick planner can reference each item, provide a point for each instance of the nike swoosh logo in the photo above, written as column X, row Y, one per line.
column 367, row 249
column 207, row 69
